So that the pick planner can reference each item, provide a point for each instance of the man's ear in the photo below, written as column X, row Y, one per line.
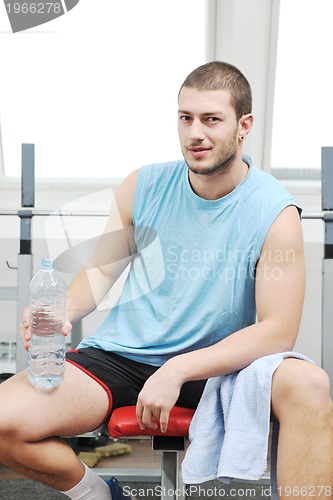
column 245, row 125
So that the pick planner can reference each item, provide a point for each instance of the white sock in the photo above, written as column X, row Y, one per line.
column 91, row 487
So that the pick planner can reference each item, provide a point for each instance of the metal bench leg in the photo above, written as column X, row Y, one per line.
column 170, row 475
column 171, row 483
column 274, row 448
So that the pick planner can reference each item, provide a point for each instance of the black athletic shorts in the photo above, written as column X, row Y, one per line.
column 123, row 378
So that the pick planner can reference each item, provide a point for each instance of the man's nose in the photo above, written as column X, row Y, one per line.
column 196, row 131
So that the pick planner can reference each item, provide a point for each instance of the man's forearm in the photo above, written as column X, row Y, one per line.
column 232, row 353
column 85, row 292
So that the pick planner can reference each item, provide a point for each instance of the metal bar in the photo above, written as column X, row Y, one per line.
column 23, row 279
column 274, row 450
column 28, row 175
column 100, row 213
column 327, row 178
column 313, row 215
column 171, row 480
column 327, row 319
column 25, row 231
column 53, row 213
column 169, row 475
column 327, row 266
column 24, row 272
column 328, row 241
column 130, row 475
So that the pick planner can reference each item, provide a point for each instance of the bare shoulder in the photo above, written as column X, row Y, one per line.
column 286, row 230
column 124, row 197
column 282, row 254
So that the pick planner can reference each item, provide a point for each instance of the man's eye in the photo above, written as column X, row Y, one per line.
column 184, row 118
column 212, row 119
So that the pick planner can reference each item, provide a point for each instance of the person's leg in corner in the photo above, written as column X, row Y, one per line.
column 30, row 419
column 301, row 403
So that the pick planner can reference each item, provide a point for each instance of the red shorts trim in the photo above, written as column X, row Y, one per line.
column 105, row 387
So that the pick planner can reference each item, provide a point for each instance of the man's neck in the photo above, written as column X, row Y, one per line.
column 217, row 185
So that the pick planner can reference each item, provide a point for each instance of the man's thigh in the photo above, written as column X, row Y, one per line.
column 124, row 377
column 78, row 405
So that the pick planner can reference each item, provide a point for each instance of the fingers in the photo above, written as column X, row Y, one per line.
column 151, row 417
column 156, row 400
column 138, row 412
column 164, row 420
column 25, row 329
column 67, row 328
column 145, row 417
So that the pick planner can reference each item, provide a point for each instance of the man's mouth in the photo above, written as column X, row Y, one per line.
column 198, row 152
column 197, row 148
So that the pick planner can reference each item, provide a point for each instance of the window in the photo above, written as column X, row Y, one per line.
column 96, row 89
column 303, row 92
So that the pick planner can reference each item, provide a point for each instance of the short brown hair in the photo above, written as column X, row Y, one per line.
column 218, row 75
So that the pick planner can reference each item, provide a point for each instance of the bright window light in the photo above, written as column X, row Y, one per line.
column 96, row 89
column 303, row 93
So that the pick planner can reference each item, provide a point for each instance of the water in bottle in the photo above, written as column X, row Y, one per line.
column 47, row 296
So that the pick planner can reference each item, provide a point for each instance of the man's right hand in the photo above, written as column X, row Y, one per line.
column 26, row 330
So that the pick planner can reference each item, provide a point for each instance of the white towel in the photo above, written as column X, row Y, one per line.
column 230, row 429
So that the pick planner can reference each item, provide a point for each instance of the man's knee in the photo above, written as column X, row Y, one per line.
column 300, row 386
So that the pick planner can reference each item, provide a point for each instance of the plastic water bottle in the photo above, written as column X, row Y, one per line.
column 47, row 298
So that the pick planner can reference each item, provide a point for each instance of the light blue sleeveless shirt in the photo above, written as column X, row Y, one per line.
column 191, row 283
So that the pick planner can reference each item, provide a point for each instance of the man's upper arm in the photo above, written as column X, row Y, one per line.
column 280, row 276
column 116, row 245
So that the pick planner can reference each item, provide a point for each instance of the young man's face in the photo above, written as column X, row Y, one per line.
column 207, row 129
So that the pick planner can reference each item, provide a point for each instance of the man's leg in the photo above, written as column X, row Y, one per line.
column 301, row 403
column 30, row 419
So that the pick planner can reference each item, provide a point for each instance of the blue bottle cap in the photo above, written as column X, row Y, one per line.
column 46, row 264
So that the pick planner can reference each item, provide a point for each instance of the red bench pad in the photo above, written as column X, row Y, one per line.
column 123, row 423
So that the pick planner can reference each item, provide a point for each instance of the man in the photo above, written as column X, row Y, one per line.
column 212, row 242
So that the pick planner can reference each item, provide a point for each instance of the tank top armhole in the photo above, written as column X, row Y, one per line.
column 265, row 226
column 138, row 194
